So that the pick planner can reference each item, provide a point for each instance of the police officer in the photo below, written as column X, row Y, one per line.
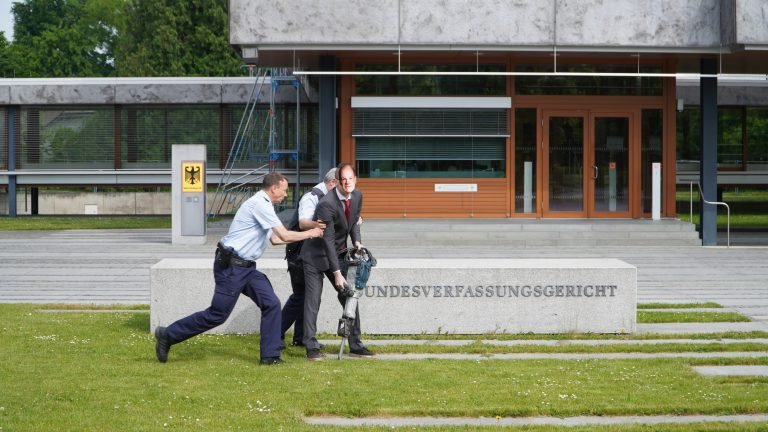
column 235, row 273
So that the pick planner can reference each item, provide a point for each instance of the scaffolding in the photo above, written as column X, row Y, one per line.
column 238, row 183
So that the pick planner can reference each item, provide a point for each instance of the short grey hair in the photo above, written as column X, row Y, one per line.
column 330, row 175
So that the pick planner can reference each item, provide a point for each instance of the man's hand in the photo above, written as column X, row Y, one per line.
column 319, row 224
column 315, row 232
column 358, row 245
column 338, row 280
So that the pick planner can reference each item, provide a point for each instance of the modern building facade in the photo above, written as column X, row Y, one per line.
column 500, row 108
column 460, row 108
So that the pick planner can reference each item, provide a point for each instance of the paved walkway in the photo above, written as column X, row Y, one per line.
column 112, row 266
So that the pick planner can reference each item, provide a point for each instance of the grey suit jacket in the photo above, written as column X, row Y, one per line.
column 323, row 252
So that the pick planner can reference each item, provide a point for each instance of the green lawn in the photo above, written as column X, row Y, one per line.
column 689, row 317
column 97, row 372
column 23, row 223
column 749, row 207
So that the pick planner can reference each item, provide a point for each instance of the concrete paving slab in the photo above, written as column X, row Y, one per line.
column 732, row 370
column 589, row 342
column 683, row 328
column 689, row 310
column 529, row 421
column 570, row 356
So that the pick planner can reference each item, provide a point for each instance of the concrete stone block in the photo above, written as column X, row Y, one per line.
column 299, row 21
column 435, row 296
column 650, row 23
column 485, row 22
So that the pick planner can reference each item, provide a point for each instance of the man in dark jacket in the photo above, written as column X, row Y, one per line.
column 339, row 210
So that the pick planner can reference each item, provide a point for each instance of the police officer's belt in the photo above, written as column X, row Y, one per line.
column 241, row 262
column 226, row 256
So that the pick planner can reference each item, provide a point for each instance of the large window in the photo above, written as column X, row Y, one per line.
column 148, row 134
column 525, row 160
column 742, row 142
column 253, row 140
column 430, row 157
column 757, row 139
column 730, row 138
column 588, row 85
column 77, row 137
column 3, row 139
column 434, row 85
column 650, row 152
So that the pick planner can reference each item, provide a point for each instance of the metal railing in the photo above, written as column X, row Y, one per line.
column 727, row 208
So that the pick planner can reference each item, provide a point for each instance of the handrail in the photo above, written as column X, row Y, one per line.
column 727, row 208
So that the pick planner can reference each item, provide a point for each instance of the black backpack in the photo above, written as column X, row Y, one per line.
column 292, row 250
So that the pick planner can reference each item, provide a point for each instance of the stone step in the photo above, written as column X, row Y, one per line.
column 526, row 233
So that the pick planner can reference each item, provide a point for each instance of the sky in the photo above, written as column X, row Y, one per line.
column 6, row 19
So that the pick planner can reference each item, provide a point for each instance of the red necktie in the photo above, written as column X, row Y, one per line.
column 346, row 209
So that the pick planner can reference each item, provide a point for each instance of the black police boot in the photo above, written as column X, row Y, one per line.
column 162, row 346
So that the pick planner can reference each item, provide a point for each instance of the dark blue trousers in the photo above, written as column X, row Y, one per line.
column 293, row 310
column 230, row 283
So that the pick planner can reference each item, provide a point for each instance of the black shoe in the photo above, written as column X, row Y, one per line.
column 362, row 352
column 269, row 361
column 162, row 346
column 315, row 355
column 282, row 346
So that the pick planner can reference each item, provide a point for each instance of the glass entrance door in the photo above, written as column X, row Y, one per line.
column 564, row 163
column 609, row 177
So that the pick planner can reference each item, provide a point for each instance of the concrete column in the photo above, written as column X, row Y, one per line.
column 708, row 152
column 328, row 117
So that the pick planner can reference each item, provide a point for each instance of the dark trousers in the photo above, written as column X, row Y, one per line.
column 293, row 310
column 230, row 283
column 313, row 284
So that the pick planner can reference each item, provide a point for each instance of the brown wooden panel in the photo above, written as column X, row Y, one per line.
column 417, row 198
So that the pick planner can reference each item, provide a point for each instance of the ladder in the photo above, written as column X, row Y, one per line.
column 236, row 183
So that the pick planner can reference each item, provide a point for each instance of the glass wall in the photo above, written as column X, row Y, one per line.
column 588, row 85
column 3, row 139
column 66, row 138
column 148, row 134
column 742, row 139
column 525, row 160
column 413, row 85
column 141, row 137
column 757, row 139
column 651, row 137
column 253, row 140
column 730, row 138
column 430, row 157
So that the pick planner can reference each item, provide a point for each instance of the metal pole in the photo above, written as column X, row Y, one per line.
column 298, row 140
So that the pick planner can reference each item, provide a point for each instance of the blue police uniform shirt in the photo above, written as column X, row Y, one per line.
column 252, row 227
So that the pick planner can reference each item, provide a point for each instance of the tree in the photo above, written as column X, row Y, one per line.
column 64, row 38
column 176, row 38
column 6, row 58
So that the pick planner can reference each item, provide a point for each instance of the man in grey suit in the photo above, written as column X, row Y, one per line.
column 339, row 210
